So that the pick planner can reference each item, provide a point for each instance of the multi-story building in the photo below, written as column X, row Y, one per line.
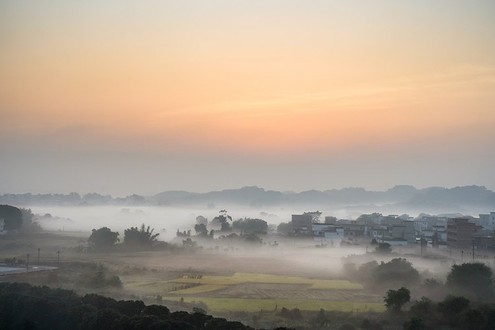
column 404, row 230
column 301, row 224
column 327, row 233
column 487, row 221
column 460, row 232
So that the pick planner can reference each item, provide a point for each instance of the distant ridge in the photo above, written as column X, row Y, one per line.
column 403, row 196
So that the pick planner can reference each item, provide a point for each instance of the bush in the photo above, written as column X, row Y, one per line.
column 473, row 279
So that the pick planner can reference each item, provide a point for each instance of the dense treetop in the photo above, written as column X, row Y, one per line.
column 23, row 306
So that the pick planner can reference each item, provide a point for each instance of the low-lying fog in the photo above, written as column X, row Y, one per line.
column 165, row 220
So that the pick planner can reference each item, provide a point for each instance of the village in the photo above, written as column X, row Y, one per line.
column 464, row 232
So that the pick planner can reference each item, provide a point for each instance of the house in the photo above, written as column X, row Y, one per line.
column 301, row 224
column 487, row 221
column 405, row 231
column 327, row 233
column 460, row 232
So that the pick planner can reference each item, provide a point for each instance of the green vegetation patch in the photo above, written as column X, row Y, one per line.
column 240, row 278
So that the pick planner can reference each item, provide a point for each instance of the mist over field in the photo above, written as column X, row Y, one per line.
column 247, row 164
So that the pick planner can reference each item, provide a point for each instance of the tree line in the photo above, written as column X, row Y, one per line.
column 23, row 306
column 134, row 237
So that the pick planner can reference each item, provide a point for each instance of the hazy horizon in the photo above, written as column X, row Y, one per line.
column 119, row 97
column 127, row 194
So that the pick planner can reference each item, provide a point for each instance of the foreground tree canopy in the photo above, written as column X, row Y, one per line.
column 23, row 306
column 472, row 279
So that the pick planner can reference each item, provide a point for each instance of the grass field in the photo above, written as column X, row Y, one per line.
column 255, row 305
column 240, row 278
column 249, row 296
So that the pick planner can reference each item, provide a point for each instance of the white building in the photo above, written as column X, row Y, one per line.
column 487, row 221
column 327, row 233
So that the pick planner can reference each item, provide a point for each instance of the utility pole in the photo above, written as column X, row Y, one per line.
column 58, row 258
column 473, row 251
column 39, row 256
column 27, row 262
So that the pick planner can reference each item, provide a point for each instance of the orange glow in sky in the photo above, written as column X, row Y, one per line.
column 259, row 78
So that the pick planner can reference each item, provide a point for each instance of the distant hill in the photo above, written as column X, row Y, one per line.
column 406, row 197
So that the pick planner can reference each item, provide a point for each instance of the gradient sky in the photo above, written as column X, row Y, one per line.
column 128, row 97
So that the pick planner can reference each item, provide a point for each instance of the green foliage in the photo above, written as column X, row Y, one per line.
column 285, row 228
column 155, row 310
column 23, row 306
column 99, row 280
column 422, row 307
column 452, row 306
column 222, row 220
column 395, row 299
column 12, row 217
column 397, row 271
column 103, row 238
column 142, row 237
column 248, row 226
column 472, row 319
column 201, row 229
column 29, row 225
column 414, row 323
column 471, row 279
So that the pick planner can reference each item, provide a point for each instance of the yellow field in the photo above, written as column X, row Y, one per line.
column 241, row 278
column 252, row 292
column 255, row 305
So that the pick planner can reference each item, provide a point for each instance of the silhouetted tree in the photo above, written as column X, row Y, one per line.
column 471, row 278
column 247, row 226
column 201, row 220
column 142, row 237
column 395, row 299
column 422, row 307
column 223, row 220
column 285, row 228
column 23, row 306
column 201, row 229
column 103, row 237
column 28, row 221
column 414, row 323
column 451, row 308
column 12, row 217
column 397, row 271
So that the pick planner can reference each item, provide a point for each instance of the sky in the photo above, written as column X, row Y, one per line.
column 125, row 97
